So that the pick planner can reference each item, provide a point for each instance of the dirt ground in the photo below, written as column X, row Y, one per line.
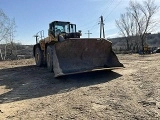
column 31, row 93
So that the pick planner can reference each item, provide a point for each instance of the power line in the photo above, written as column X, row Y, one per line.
column 107, row 6
column 113, row 9
column 87, row 23
column 94, row 26
column 102, row 24
column 91, row 27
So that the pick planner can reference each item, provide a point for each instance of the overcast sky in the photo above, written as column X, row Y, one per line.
column 32, row 16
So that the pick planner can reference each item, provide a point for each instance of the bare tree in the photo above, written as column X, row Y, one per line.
column 138, row 21
column 126, row 27
column 7, row 31
column 4, row 25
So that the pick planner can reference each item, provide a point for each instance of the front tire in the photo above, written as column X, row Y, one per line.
column 38, row 57
column 49, row 58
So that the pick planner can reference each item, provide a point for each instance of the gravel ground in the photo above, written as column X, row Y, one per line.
column 31, row 93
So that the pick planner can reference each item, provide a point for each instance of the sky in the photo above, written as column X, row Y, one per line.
column 32, row 16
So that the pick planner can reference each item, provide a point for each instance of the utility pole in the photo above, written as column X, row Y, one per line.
column 88, row 34
column 102, row 27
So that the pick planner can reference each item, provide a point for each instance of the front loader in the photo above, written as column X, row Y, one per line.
column 64, row 52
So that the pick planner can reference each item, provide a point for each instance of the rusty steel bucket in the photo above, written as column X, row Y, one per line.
column 83, row 55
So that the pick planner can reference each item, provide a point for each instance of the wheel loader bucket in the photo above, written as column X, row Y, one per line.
column 82, row 55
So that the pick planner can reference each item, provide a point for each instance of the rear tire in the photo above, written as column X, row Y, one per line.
column 38, row 57
column 49, row 58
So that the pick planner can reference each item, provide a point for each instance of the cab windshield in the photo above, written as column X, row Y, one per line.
column 61, row 27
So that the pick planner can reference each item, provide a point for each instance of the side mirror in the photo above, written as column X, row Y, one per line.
column 80, row 32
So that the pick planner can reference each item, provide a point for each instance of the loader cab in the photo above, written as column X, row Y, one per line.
column 65, row 29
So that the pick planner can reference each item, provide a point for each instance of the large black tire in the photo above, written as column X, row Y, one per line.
column 38, row 57
column 49, row 58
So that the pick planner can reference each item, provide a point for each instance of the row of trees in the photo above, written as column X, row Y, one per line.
column 7, row 34
column 137, row 22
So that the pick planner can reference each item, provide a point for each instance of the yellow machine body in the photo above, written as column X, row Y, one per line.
column 69, row 54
